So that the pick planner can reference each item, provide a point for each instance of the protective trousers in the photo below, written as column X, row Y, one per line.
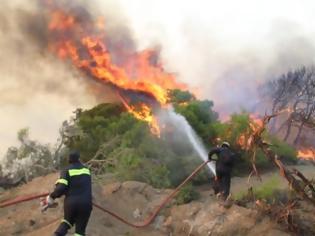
column 222, row 184
column 75, row 214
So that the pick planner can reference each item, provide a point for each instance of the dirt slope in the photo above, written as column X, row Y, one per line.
column 134, row 201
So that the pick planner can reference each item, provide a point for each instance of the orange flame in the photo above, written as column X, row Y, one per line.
column 307, row 154
column 141, row 72
column 245, row 140
column 143, row 112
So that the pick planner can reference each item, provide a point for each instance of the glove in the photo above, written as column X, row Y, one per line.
column 46, row 203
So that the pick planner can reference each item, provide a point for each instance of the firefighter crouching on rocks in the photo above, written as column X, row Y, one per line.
column 224, row 166
column 75, row 184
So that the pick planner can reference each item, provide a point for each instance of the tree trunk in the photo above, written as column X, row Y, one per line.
column 298, row 136
column 288, row 131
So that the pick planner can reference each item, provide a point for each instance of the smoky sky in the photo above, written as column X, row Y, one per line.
column 217, row 57
column 37, row 90
column 230, row 77
column 226, row 49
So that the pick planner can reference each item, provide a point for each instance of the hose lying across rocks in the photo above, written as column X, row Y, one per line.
column 145, row 223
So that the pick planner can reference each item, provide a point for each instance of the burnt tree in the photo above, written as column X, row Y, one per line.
column 297, row 181
column 293, row 92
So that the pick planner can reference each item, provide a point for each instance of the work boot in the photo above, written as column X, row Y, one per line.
column 228, row 202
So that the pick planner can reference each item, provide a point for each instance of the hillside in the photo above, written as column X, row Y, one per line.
column 135, row 200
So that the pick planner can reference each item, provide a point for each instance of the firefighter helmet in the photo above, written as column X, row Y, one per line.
column 225, row 144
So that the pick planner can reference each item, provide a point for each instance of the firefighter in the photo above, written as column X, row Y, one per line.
column 75, row 184
column 224, row 166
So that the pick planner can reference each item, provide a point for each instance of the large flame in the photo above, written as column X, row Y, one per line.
column 84, row 44
column 143, row 112
column 307, row 154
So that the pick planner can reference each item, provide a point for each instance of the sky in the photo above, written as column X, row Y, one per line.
column 222, row 49
column 225, row 47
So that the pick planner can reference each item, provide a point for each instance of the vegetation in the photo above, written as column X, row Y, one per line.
column 269, row 191
column 293, row 92
column 112, row 141
column 30, row 159
column 186, row 195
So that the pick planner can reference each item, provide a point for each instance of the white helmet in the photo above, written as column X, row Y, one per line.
column 225, row 144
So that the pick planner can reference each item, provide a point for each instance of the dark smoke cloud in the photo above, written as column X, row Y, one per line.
column 31, row 77
column 37, row 90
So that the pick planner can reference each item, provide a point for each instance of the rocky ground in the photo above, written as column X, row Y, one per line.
column 135, row 201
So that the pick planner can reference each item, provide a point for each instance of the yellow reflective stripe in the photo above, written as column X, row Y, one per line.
column 76, row 234
column 83, row 171
column 67, row 222
column 62, row 181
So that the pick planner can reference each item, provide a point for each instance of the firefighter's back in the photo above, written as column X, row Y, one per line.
column 80, row 184
column 225, row 160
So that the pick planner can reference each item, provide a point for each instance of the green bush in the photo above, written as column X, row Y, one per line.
column 131, row 152
column 268, row 190
column 286, row 152
column 187, row 194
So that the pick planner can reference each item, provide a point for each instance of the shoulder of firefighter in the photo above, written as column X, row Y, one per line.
column 213, row 151
column 74, row 180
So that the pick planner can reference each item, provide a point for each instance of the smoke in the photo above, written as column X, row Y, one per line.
column 226, row 49
column 231, row 78
column 36, row 90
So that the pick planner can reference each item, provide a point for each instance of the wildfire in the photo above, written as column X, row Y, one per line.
column 255, row 122
column 307, row 154
column 83, row 42
column 245, row 140
column 143, row 112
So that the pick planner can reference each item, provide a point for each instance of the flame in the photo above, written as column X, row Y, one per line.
column 138, row 74
column 255, row 122
column 143, row 112
column 307, row 154
column 241, row 141
column 84, row 44
column 60, row 21
column 246, row 139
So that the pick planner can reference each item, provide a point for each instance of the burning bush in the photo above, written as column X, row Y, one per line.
column 238, row 131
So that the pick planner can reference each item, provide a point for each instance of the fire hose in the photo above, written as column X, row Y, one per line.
column 145, row 223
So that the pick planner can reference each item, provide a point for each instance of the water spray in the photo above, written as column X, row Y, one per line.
column 182, row 124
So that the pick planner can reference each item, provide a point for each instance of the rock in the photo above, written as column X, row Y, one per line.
column 203, row 219
column 111, row 188
column 168, row 221
column 134, row 186
column 137, row 214
column 158, row 222
column 32, row 222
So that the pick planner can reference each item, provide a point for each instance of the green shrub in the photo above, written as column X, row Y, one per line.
column 158, row 176
column 268, row 190
column 186, row 195
column 286, row 152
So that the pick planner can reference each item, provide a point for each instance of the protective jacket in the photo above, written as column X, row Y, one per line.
column 224, row 166
column 75, row 184
column 225, row 161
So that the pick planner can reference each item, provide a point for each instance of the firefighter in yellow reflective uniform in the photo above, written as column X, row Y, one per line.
column 75, row 184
